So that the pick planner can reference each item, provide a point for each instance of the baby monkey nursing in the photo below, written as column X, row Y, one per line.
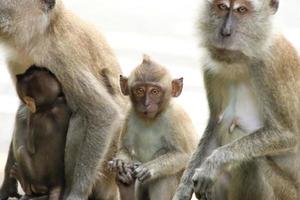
column 40, row 142
column 158, row 137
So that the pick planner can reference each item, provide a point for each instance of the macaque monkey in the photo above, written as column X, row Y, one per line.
column 252, row 78
column 39, row 148
column 158, row 137
column 44, row 33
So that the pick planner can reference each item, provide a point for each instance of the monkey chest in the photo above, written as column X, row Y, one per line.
column 146, row 143
column 241, row 114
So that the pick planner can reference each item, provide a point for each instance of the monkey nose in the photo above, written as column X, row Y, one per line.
column 226, row 32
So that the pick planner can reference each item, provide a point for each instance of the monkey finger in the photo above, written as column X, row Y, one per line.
column 111, row 165
column 144, row 175
column 136, row 165
column 120, row 166
column 138, row 172
column 128, row 179
column 122, row 179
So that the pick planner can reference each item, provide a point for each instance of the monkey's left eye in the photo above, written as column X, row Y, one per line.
column 155, row 92
column 242, row 9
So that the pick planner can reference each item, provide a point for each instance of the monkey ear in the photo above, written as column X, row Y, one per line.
column 30, row 103
column 274, row 5
column 177, row 86
column 124, row 85
column 49, row 4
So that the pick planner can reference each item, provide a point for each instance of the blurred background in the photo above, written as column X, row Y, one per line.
column 163, row 29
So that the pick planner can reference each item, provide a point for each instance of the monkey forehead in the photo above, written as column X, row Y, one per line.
column 150, row 72
column 238, row 3
column 163, row 81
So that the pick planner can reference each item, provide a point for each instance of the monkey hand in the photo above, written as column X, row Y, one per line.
column 118, row 165
column 184, row 192
column 142, row 173
column 204, row 178
column 126, row 177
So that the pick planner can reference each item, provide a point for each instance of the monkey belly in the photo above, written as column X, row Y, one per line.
column 242, row 114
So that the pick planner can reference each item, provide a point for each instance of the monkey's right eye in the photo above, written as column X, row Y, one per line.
column 139, row 92
column 222, row 6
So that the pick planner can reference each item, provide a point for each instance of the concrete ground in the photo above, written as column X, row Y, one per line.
column 163, row 29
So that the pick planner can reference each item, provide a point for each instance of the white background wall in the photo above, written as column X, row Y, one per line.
column 164, row 29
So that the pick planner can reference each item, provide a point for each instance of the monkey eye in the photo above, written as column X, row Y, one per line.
column 222, row 6
column 139, row 92
column 155, row 92
column 242, row 9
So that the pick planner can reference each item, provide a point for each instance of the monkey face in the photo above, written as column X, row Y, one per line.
column 237, row 25
column 23, row 15
column 148, row 99
column 150, row 88
column 38, row 87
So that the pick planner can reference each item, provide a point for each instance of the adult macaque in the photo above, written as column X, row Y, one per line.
column 252, row 77
column 44, row 33
column 158, row 137
column 39, row 147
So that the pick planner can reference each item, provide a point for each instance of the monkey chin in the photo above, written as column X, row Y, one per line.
column 149, row 116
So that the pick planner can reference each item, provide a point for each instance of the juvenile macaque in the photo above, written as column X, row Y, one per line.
column 158, row 137
column 39, row 147
column 252, row 78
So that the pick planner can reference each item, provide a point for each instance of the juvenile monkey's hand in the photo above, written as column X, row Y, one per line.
column 124, row 170
column 142, row 173
column 116, row 164
column 205, row 177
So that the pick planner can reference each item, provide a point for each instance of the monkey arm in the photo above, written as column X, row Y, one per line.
column 124, row 154
column 9, row 185
column 167, row 164
column 264, row 142
column 31, row 136
column 94, row 120
column 206, row 145
column 208, row 142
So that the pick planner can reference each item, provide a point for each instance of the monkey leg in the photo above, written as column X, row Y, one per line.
column 55, row 193
column 141, row 191
column 283, row 185
column 105, row 188
column 9, row 186
column 25, row 161
column 249, row 183
column 126, row 191
column 163, row 189
column 17, row 174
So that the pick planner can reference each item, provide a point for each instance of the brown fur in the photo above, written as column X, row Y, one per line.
column 171, row 134
column 77, row 55
column 261, row 152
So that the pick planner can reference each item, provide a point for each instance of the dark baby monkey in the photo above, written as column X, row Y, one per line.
column 158, row 137
column 39, row 147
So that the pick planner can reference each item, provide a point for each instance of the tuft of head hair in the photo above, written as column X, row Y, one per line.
column 150, row 71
